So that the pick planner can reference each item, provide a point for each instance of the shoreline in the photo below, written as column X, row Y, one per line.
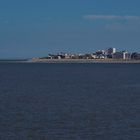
column 84, row 61
column 72, row 61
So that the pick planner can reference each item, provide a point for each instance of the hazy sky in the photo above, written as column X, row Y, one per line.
column 38, row 27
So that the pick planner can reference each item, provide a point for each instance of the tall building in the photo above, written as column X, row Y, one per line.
column 111, row 51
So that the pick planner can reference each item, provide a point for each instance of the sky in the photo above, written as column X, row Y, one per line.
column 34, row 28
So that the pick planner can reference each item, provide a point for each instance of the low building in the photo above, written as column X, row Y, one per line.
column 121, row 55
column 94, row 56
column 101, row 54
column 135, row 56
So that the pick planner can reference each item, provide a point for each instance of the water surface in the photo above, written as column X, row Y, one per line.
column 69, row 101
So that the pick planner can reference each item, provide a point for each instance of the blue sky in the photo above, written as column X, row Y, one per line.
column 31, row 28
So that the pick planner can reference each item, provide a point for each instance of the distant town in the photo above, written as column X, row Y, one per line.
column 109, row 54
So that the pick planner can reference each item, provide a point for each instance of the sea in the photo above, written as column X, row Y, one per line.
column 40, row 101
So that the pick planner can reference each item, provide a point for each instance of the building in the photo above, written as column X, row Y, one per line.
column 111, row 51
column 126, row 55
column 135, row 56
column 122, row 55
column 100, row 54
column 94, row 56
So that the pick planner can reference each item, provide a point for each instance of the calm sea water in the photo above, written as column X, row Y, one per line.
column 69, row 101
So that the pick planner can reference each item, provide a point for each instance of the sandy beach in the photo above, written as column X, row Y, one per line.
column 83, row 61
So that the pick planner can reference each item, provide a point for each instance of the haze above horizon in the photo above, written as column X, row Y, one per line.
column 32, row 28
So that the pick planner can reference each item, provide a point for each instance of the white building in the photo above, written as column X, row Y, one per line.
column 126, row 55
column 114, row 50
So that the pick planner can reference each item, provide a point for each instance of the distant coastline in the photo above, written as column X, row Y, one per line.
column 37, row 60
column 13, row 60
column 83, row 61
column 111, row 55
